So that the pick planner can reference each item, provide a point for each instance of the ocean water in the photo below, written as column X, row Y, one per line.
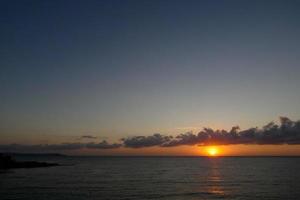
column 179, row 178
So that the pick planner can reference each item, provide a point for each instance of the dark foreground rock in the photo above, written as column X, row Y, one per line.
column 7, row 162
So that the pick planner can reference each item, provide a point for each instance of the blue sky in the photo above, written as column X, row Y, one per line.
column 122, row 68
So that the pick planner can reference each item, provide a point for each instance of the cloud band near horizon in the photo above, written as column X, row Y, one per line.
column 288, row 132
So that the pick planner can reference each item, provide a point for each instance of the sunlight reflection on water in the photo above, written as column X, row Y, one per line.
column 215, row 179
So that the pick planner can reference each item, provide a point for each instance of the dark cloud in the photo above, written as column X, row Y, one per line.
column 40, row 147
column 182, row 139
column 145, row 141
column 57, row 147
column 287, row 132
column 102, row 145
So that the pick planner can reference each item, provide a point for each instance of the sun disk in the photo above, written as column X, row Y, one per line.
column 212, row 151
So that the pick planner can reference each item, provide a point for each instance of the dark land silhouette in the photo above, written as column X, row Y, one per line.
column 7, row 162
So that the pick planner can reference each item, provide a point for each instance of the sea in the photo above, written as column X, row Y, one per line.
column 138, row 178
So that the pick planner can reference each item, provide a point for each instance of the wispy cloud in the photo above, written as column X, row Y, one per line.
column 57, row 147
column 88, row 137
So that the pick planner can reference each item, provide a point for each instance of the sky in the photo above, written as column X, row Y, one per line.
column 114, row 70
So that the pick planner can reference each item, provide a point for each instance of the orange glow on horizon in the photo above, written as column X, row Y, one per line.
column 222, row 150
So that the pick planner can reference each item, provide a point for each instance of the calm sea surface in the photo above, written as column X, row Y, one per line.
column 155, row 178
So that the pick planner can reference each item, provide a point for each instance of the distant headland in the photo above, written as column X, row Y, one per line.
column 7, row 161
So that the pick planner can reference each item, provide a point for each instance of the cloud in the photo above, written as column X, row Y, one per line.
column 146, row 141
column 57, row 147
column 182, row 139
column 102, row 145
column 40, row 147
column 88, row 137
column 287, row 132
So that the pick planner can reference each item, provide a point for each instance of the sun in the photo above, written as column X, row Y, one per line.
column 212, row 151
